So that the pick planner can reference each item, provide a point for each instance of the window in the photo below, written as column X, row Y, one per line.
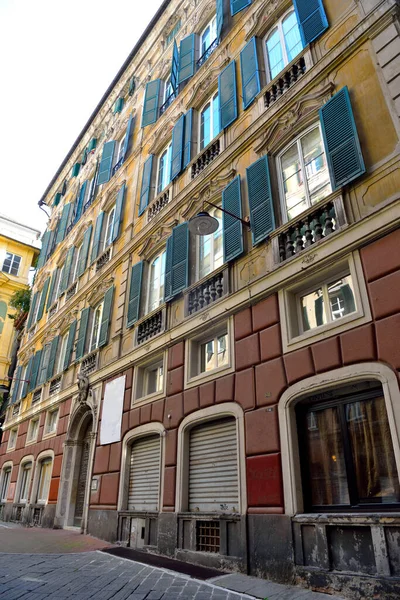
column 282, row 44
column 96, row 322
column 51, row 421
column 164, row 169
column 44, row 362
column 110, row 217
column 210, row 253
column 5, row 482
column 75, row 264
column 56, row 288
column 33, row 430
column 25, row 481
column 209, row 121
column 44, row 480
column 209, row 354
column 208, row 35
column 150, row 379
column 213, row 353
column 346, row 451
column 168, row 90
column 173, row 33
column 303, row 173
column 12, row 440
column 119, row 153
column 61, row 354
column 11, row 264
column 156, row 282
column 22, row 382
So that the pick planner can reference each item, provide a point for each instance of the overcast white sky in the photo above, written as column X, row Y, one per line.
column 57, row 59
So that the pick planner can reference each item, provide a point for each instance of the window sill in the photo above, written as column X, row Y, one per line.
column 31, row 442
column 136, row 402
column 151, row 325
column 209, row 376
column 286, row 78
column 51, row 434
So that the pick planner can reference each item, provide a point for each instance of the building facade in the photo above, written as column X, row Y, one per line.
column 230, row 399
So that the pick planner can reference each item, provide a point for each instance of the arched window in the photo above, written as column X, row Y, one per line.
column 24, row 482
column 282, row 44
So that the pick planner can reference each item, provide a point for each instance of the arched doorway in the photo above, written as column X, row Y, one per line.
column 82, row 470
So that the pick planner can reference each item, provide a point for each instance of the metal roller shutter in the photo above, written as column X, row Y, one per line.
column 144, row 474
column 213, row 467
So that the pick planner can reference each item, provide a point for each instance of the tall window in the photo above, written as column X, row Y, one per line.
column 214, row 353
column 33, row 430
column 168, row 90
column 156, row 282
column 95, row 336
column 25, row 481
column 5, row 482
column 347, row 452
column 210, row 251
column 120, row 150
column 62, row 352
column 51, row 421
column 164, row 169
column 208, row 35
column 11, row 264
column 75, row 264
column 304, row 173
column 56, row 287
column 12, row 440
column 109, row 227
column 44, row 362
column 44, row 480
column 209, row 121
column 282, row 44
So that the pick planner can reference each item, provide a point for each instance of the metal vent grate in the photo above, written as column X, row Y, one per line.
column 207, row 536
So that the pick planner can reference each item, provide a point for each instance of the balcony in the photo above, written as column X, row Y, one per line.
column 117, row 165
column 284, row 81
column 167, row 103
column 151, row 326
column 206, row 55
column 55, row 386
column 158, row 204
column 207, row 292
column 53, row 310
column 37, row 396
column 211, row 152
column 71, row 291
column 89, row 363
column 103, row 259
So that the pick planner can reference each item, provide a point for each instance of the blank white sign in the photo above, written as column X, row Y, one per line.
column 113, row 405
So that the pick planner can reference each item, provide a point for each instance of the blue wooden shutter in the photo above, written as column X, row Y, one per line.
column 32, row 309
column 227, row 95
column 180, row 258
column 83, row 325
column 17, row 383
column 75, row 170
column 67, row 269
column 44, row 249
column 62, row 226
column 106, row 162
column 250, row 72
column 168, row 270
column 311, row 18
column 97, row 237
column 188, row 141
column 132, row 86
column 128, row 136
column 35, row 369
column 106, row 316
column 187, row 58
column 232, row 228
column 27, row 378
column 51, row 291
column 134, row 294
column 52, row 358
column 262, row 217
column 84, row 251
column 43, row 297
column 119, row 213
column 119, row 105
column 175, row 67
column 57, row 199
column 79, row 202
column 92, row 145
column 151, row 102
column 342, row 146
column 177, row 147
column 220, row 17
column 238, row 5
column 70, row 345
column 146, row 184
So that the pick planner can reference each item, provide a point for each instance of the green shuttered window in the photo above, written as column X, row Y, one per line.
column 67, row 269
column 97, row 237
column 177, row 147
column 16, row 386
column 343, row 150
column 168, row 270
column 188, row 139
column 119, row 213
column 175, row 67
column 146, row 183
column 62, row 226
column 250, row 72
column 227, row 95
column 106, row 316
column 27, row 378
column 35, row 369
column 179, row 260
column 43, row 298
column 83, row 256
column 232, row 228
column 135, row 293
column 151, row 102
column 220, row 17
column 187, row 58
column 118, row 106
column 44, row 249
column 262, row 216
column 106, row 162
column 75, row 170
column 92, row 145
column 52, row 359
column 311, row 18
column 238, row 5
column 32, row 309
column 70, row 345
column 83, row 325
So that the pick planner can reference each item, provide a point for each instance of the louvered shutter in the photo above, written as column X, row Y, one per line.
column 177, row 147
column 16, row 386
column 144, row 474
column 151, row 102
column 97, row 237
column 250, row 73
column 175, row 67
column 83, row 256
column 70, row 345
column 52, row 358
column 132, row 86
column 51, row 291
column 232, row 228
column 27, row 378
column 135, row 293
column 44, row 249
column 168, row 270
column 319, row 310
column 227, row 95
column 81, row 198
column 62, row 226
column 180, row 258
column 146, row 184
column 35, row 369
column 238, row 5
column 213, row 467
column 92, row 144
column 67, row 269
column 43, row 364
column 220, row 17
column 106, row 162
column 187, row 58
column 343, row 150
column 75, row 170
column 43, row 298
column 118, row 106
column 32, row 309
column 311, row 18
column 188, row 141
column 106, row 316
column 262, row 217
column 119, row 213
column 128, row 136
column 83, row 325
column 57, row 199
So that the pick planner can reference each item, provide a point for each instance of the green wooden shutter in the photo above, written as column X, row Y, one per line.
column 262, row 217
column 35, row 370
column 67, row 269
column 83, row 325
column 57, row 199
column 75, row 170
column 151, row 102
column 175, row 68
column 319, row 310
column 146, row 184
column 119, row 105
column 97, row 237
column 62, row 226
column 52, row 358
column 79, row 202
column 132, row 86
column 17, row 383
column 227, row 95
column 43, row 298
column 84, row 251
column 27, row 378
column 311, row 18
column 51, row 291
column 128, row 136
column 106, row 316
column 70, row 345
column 92, row 145
column 180, row 258
column 348, row 297
column 188, row 140
column 106, row 162
column 342, row 146
column 232, row 228
column 238, row 5
column 168, row 270
column 220, row 17
column 250, row 72
column 119, row 213
column 44, row 249
column 32, row 309
column 134, row 294
column 187, row 58
column 177, row 147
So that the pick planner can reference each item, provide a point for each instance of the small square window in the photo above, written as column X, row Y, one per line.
column 11, row 264
column 209, row 354
column 51, row 422
column 12, row 440
column 33, row 430
column 149, row 379
column 213, row 353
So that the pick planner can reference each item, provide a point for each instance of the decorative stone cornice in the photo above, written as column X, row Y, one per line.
column 209, row 191
column 66, row 320
column 156, row 240
column 161, row 136
column 206, row 85
column 95, row 295
column 263, row 16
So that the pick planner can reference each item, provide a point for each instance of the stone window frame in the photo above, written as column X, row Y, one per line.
column 5, row 467
column 36, row 476
column 25, row 460
column 9, row 447
column 207, row 415
column 138, row 376
column 32, row 440
column 48, row 434
column 290, row 456
column 140, row 432
column 277, row 24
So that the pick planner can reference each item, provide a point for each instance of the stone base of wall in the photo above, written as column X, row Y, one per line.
column 103, row 524
column 271, row 547
column 6, row 512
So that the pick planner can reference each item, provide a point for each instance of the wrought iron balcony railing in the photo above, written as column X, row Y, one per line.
column 206, row 55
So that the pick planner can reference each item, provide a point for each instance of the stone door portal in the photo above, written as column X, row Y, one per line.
column 82, row 478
